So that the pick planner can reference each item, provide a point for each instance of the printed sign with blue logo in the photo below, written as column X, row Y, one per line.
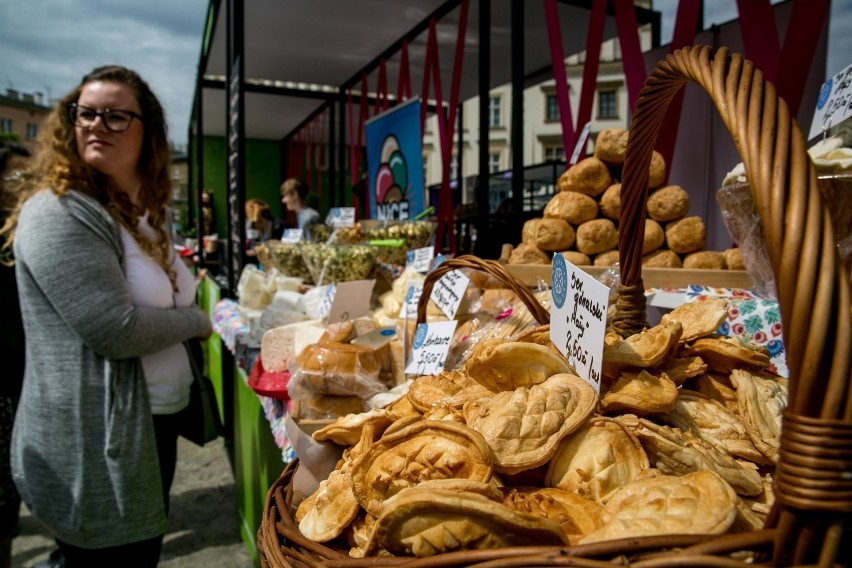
column 578, row 319
column 834, row 104
column 395, row 163
column 430, row 347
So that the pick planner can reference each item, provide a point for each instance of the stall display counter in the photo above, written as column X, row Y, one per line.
column 257, row 459
column 209, row 294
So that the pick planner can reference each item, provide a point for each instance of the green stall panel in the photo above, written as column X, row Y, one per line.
column 258, row 461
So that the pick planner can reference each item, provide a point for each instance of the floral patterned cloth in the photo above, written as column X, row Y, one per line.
column 752, row 318
column 276, row 411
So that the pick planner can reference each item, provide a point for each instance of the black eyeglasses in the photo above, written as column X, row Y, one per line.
column 113, row 119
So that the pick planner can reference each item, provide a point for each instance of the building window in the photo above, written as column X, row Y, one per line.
column 425, row 170
column 32, row 131
column 493, row 162
column 552, row 153
column 606, row 104
column 494, row 111
column 454, row 167
column 5, row 125
column 551, row 112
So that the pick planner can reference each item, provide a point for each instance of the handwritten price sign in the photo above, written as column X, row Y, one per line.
column 430, row 347
column 419, row 260
column 834, row 104
column 578, row 319
column 449, row 291
column 412, row 298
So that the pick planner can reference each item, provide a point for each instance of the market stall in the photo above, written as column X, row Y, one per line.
column 679, row 447
column 313, row 110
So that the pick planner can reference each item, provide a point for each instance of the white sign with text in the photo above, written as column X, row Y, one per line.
column 834, row 103
column 412, row 298
column 448, row 292
column 325, row 303
column 291, row 236
column 580, row 147
column 430, row 347
column 578, row 319
column 351, row 300
column 419, row 260
column 340, row 217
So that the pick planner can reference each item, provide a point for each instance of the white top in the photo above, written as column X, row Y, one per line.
column 167, row 372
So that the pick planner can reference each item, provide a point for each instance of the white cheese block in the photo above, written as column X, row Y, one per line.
column 280, row 345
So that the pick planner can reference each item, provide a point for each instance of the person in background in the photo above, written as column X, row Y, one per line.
column 13, row 157
column 106, row 306
column 206, row 213
column 259, row 220
column 294, row 196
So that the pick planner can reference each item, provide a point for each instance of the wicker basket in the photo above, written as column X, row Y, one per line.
column 810, row 523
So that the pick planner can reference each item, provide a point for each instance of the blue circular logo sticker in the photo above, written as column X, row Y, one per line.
column 386, row 332
column 560, row 280
column 419, row 336
column 409, row 256
column 824, row 93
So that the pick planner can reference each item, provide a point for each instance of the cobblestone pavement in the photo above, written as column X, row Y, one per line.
column 202, row 523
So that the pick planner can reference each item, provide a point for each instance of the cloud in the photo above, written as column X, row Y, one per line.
column 839, row 38
column 48, row 45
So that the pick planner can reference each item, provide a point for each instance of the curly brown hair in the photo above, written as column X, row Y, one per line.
column 57, row 165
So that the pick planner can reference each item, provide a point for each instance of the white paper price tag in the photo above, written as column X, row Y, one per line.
column 340, row 217
column 351, row 300
column 419, row 260
column 580, row 147
column 412, row 298
column 430, row 347
column 578, row 319
column 325, row 303
column 834, row 103
column 291, row 236
column 447, row 293
column 437, row 261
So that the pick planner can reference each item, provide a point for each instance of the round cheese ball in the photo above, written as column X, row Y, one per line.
column 606, row 258
column 611, row 202
column 611, row 146
column 526, row 253
column 654, row 236
column 662, row 259
column 576, row 258
column 573, row 207
column 668, row 203
column 734, row 259
column 553, row 235
column 686, row 235
column 589, row 176
column 596, row 236
column 706, row 259
column 656, row 171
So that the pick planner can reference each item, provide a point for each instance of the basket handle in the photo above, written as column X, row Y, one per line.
column 812, row 289
column 491, row 267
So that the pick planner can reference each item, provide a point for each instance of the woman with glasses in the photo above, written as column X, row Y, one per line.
column 106, row 306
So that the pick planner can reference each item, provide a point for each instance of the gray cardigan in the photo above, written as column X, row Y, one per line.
column 84, row 457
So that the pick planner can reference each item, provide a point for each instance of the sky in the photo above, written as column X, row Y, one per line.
column 48, row 45
column 721, row 11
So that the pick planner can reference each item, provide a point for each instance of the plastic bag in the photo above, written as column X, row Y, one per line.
column 335, row 368
column 743, row 223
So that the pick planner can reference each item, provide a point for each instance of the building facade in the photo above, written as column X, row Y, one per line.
column 21, row 115
column 542, row 136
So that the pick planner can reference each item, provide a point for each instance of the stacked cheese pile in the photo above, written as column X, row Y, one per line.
column 581, row 221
